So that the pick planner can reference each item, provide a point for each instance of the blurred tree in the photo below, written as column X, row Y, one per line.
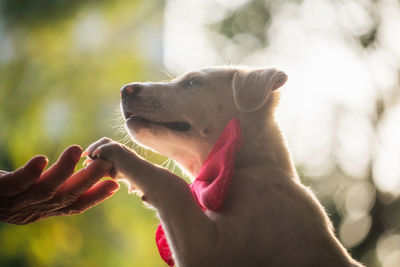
column 250, row 20
column 61, row 66
column 36, row 12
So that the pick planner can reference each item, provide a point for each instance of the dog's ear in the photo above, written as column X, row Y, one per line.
column 251, row 88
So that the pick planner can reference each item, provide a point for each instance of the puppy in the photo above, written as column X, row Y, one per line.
column 268, row 218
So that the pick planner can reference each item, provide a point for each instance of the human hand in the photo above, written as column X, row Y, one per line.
column 30, row 194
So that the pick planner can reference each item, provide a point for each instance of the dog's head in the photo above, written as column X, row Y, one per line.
column 184, row 117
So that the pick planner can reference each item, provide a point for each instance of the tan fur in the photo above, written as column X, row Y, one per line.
column 270, row 218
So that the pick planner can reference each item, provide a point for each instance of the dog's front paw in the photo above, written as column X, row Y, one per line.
column 109, row 150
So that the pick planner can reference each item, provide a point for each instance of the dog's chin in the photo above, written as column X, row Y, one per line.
column 136, row 123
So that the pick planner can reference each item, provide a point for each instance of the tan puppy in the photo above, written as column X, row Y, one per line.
column 270, row 218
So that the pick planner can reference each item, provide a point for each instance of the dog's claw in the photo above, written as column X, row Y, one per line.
column 113, row 173
column 87, row 161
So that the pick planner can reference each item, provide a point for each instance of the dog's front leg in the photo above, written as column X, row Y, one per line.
column 190, row 232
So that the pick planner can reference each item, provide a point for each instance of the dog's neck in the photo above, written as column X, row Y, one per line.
column 191, row 163
column 263, row 145
column 263, row 142
column 191, row 159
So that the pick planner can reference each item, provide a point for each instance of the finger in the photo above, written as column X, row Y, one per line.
column 89, row 151
column 48, row 183
column 60, row 171
column 96, row 194
column 69, row 192
column 80, row 182
column 63, row 168
column 86, row 177
column 18, row 181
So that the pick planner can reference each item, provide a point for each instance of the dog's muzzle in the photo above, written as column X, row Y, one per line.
column 129, row 95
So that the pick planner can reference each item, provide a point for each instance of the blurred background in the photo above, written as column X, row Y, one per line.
column 62, row 64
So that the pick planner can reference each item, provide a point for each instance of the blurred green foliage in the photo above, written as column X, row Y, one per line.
column 238, row 27
column 61, row 66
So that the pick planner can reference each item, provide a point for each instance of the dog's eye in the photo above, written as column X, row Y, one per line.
column 191, row 83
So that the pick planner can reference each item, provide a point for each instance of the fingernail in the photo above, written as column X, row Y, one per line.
column 116, row 187
column 96, row 154
column 111, row 192
column 76, row 156
column 43, row 162
column 84, row 154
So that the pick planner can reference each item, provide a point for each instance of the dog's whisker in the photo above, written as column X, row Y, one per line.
column 168, row 74
column 126, row 140
column 169, row 164
column 165, row 163
column 173, row 165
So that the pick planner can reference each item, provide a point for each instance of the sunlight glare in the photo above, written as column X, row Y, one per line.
column 329, row 100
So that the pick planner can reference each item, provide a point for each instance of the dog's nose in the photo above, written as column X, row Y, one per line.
column 130, row 89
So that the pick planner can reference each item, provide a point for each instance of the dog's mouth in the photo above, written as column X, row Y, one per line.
column 179, row 126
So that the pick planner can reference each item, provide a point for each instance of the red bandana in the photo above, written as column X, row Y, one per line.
column 212, row 184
